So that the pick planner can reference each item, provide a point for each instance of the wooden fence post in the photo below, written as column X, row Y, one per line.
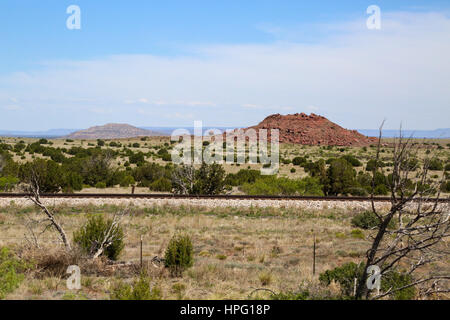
column 142, row 262
column 314, row 255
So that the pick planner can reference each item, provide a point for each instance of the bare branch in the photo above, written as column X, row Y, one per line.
column 35, row 198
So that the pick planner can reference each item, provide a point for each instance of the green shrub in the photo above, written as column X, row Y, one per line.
column 140, row 290
column 162, row 184
column 179, row 254
column 445, row 186
column 100, row 185
column 371, row 164
column 208, row 179
column 435, row 165
column 368, row 220
column 344, row 276
column 166, row 157
column 271, row 185
column 113, row 144
column 395, row 279
column 8, row 183
column 242, row 176
column 11, row 270
column 357, row 191
column 92, row 233
column 50, row 175
column 298, row 161
column 352, row 160
column 380, row 190
column 137, row 158
column 340, row 176
column 127, row 181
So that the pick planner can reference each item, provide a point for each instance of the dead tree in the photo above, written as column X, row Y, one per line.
column 109, row 236
column 32, row 238
column 422, row 222
column 183, row 179
column 34, row 196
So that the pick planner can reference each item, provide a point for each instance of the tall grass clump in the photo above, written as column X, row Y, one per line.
column 139, row 290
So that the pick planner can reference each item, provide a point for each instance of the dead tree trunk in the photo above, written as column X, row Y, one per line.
column 419, row 239
column 35, row 198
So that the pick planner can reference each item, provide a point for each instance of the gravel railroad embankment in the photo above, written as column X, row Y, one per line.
column 302, row 204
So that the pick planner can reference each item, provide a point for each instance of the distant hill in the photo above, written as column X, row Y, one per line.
column 312, row 129
column 112, row 131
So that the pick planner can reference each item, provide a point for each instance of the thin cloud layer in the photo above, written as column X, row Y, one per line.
column 357, row 77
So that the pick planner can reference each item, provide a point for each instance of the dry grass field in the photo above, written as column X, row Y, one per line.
column 235, row 250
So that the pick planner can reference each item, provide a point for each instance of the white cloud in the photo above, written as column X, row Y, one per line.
column 253, row 106
column 358, row 77
column 12, row 108
column 266, row 107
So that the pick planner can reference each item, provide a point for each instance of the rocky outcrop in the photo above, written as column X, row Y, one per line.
column 312, row 129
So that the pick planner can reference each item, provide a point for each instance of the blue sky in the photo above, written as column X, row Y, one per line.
column 228, row 63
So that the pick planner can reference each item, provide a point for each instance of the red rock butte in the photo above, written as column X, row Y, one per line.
column 300, row 128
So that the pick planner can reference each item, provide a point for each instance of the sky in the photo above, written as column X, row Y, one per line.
column 226, row 63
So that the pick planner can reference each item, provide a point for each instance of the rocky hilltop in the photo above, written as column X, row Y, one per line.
column 312, row 129
column 112, row 131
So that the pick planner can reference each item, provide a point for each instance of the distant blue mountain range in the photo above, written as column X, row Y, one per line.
column 57, row 133
column 53, row 133
column 429, row 134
